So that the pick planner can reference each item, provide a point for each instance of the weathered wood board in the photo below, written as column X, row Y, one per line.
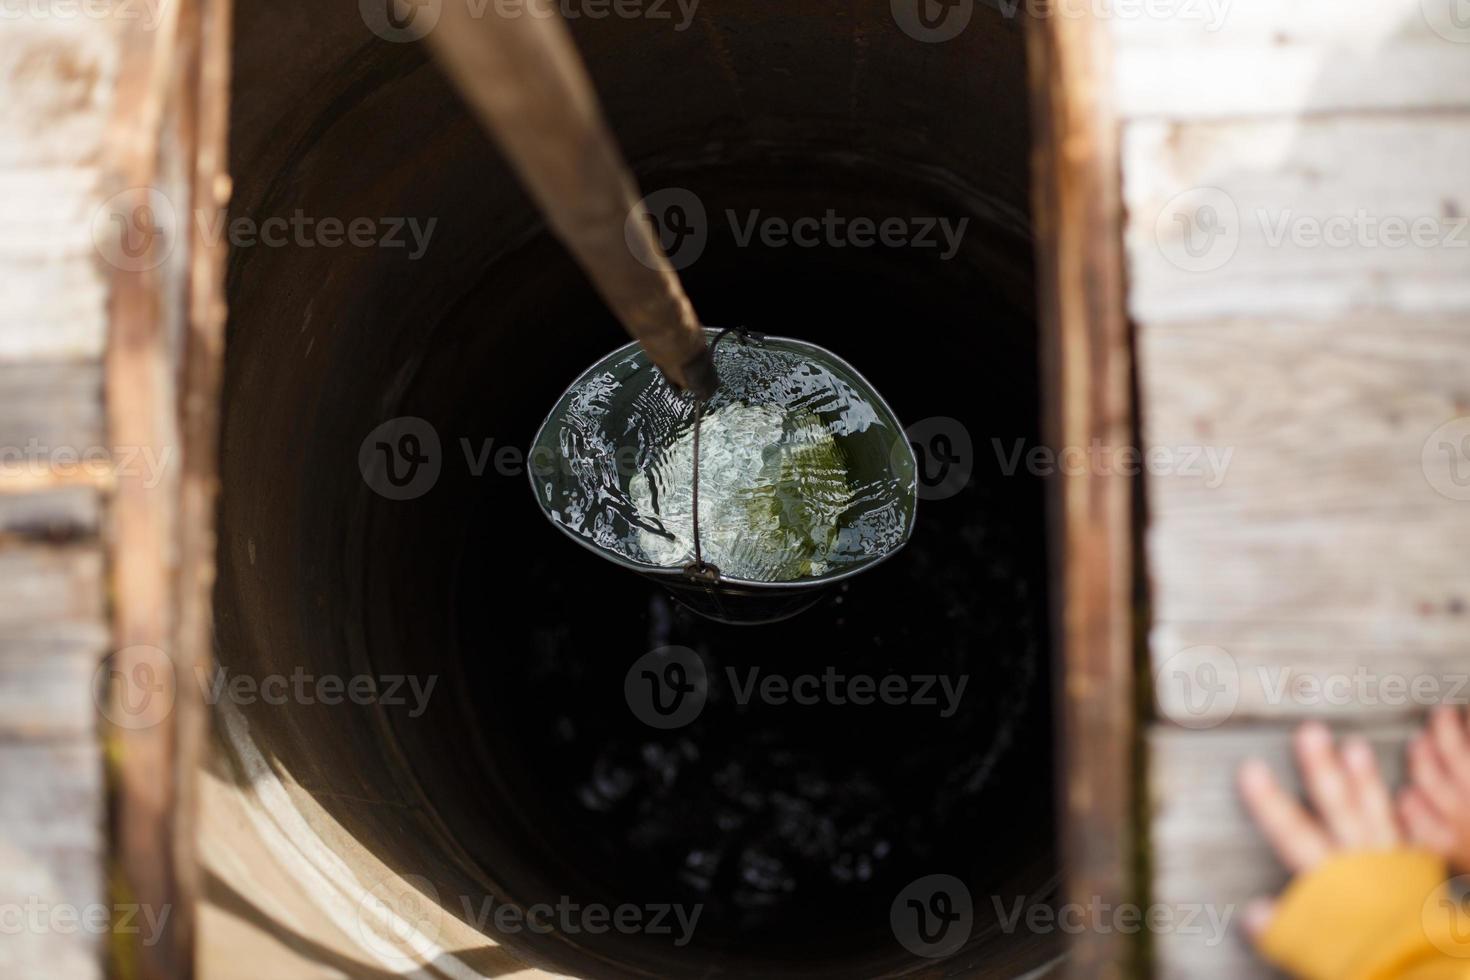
column 1215, row 59
column 1319, row 215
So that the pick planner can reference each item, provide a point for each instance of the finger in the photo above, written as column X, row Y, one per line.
column 1452, row 745
column 1257, row 917
column 1374, row 804
column 1327, row 785
column 1426, row 828
column 1299, row 841
column 1430, row 778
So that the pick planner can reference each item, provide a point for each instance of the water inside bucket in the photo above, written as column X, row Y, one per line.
column 805, row 473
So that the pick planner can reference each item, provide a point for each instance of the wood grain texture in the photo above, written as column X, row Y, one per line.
column 49, row 406
column 51, row 515
column 1289, row 58
column 58, row 75
column 1298, row 216
column 1320, row 545
column 1087, row 370
column 51, row 853
column 1205, row 851
column 46, row 682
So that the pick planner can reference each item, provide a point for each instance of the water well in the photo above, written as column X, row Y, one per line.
column 527, row 778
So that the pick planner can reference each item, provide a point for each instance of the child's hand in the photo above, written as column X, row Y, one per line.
column 1353, row 806
column 1436, row 805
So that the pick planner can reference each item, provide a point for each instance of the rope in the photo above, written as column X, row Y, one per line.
column 699, row 569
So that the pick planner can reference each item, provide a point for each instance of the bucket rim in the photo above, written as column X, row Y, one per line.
column 678, row 572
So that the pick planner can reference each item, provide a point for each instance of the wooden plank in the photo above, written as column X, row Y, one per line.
column 47, row 682
column 1299, row 56
column 41, row 585
column 53, row 412
column 51, row 857
column 56, row 515
column 1087, row 398
column 1206, row 853
column 1306, row 421
column 58, row 74
column 1288, row 79
column 1207, row 675
column 1320, row 216
column 1330, row 542
column 1361, row 25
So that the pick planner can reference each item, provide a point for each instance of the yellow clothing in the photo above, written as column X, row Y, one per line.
column 1372, row 915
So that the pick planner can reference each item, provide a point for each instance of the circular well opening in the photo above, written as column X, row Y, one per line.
column 523, row 776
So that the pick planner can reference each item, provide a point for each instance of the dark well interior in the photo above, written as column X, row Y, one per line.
column 528, row 778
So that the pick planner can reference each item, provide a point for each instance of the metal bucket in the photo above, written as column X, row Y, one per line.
column 618, row 420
